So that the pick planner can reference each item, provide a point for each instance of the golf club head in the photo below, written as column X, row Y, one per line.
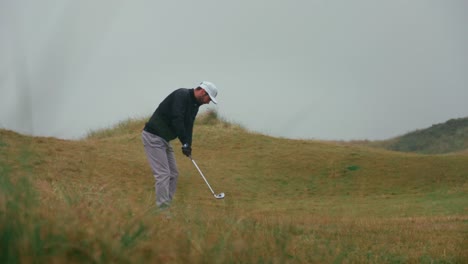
column 219, row 196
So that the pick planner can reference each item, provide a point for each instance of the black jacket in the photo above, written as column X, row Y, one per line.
column 175, row 116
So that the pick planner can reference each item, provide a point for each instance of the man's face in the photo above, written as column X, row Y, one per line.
column 203, row 97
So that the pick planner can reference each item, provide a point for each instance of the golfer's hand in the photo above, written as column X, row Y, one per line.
column 187, row 150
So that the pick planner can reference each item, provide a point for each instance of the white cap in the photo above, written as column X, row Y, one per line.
column 210, row 89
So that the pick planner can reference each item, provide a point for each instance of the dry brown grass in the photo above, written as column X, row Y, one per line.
column 287, row 201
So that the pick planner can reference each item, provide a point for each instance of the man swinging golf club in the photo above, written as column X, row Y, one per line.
column 173, row 118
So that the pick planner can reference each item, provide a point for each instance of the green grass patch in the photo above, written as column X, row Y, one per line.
column 353, row 168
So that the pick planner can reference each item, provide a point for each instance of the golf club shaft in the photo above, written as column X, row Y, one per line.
column 203, row 176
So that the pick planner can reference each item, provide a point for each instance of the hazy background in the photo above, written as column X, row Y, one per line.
column 298, row 69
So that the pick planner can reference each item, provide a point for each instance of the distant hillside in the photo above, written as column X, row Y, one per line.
column 451, row 136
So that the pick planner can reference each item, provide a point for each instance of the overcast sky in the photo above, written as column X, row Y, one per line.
column 341, row 70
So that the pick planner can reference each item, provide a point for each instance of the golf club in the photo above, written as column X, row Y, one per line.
column 217, row 196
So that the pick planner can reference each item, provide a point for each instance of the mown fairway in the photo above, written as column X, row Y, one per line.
column 287, row 201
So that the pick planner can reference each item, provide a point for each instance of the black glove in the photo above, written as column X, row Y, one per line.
column 187, row 150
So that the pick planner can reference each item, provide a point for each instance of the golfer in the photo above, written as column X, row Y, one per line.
column 173, row 118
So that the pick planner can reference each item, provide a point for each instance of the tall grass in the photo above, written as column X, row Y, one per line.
column 287, row 201
column 126, row 127
column 26, row 236
column 21, row 231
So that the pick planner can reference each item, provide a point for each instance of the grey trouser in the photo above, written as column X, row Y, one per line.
column 162, row 161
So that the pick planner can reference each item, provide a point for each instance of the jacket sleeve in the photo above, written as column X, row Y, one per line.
column 178, row 110
column 190, row 128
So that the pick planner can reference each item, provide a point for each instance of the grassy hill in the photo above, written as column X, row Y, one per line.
column 287, row 201
column 451, row 136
